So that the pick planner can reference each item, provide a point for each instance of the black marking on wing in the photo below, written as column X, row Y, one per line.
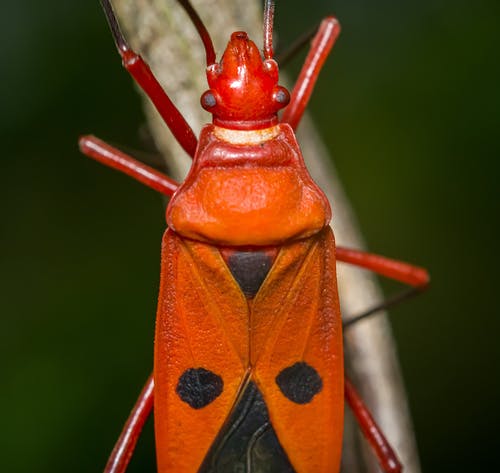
column 299, row 382
column 198, row 387
column 247, row 443
column 249, row 268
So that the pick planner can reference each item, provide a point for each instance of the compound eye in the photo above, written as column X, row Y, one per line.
column 281, row 96
column 208, row 100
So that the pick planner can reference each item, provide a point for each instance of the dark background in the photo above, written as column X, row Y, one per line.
column 408, row 105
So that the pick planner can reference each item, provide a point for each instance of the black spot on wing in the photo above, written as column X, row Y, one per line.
column 198, row 387
column 299, row 382
column 249, row 268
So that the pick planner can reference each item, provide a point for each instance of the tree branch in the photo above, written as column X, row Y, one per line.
column 162, row 33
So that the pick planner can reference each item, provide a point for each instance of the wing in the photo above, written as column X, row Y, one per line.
column 201, row 351
column 296, row 353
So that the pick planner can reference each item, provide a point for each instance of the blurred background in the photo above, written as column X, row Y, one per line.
column 408, row 106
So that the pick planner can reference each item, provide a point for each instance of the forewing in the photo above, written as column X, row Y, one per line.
column 201, row 351
column 296, row 353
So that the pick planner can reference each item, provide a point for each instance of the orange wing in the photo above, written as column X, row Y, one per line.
column 296, row 353
column 201, row 352
column 211, row 339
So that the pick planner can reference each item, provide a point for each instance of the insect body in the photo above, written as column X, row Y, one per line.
column 248, row 371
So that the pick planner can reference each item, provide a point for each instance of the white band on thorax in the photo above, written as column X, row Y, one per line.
column 246, row 137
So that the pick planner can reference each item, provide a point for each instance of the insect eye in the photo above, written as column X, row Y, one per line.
column 208, row 100
column 281, row 96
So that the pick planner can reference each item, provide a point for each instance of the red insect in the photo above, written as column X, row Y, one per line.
column 248, row 372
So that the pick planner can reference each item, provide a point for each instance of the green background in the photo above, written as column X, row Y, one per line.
column 408, row 105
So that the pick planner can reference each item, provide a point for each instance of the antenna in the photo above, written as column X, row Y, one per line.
column 268, row 28
column 202, row 31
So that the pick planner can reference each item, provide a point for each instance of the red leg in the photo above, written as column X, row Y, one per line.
column 142, row 74
column 398, row 270
column 406, row 273
column 384, row 452
column 321, row 46
column 124, row 447
column 116, row 159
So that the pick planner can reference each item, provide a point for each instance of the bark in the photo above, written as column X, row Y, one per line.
column 161, row 32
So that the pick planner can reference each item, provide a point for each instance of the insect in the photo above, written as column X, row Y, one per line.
column 248, row 368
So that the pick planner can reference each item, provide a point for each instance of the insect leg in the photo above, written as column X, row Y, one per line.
column 321, row 46
column 144, row 77
column 284, row 57
column 384, row 305
column 384, row 452
column 106, row 154
column 390, row 268
column 124, row 447
column 416, row 277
